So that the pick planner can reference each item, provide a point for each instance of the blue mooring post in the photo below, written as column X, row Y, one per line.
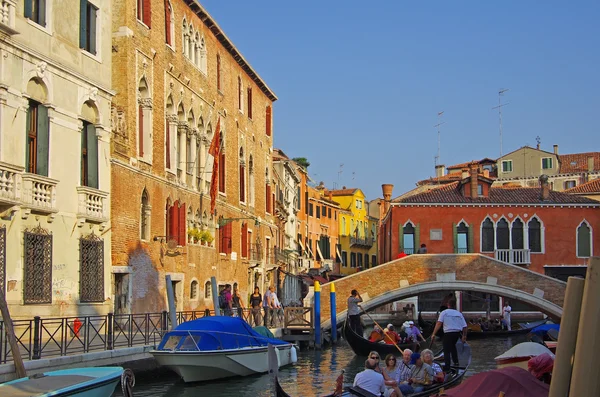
column 317, row 315
column 333, row 312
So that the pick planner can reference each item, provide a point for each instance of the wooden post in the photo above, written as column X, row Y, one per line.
column 10, row 334
column 567, row 337
column 585, row 380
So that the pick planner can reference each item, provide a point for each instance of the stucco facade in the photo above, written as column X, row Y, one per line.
column 178, row 76
column 55, row 182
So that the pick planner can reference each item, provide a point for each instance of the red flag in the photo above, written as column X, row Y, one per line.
column 215, row 151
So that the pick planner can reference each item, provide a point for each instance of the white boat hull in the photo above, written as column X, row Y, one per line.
column 197, row 366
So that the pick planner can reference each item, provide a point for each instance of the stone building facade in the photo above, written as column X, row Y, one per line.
column 178, row 77
column 55, row 182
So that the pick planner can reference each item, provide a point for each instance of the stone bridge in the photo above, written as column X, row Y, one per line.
column 415, row 274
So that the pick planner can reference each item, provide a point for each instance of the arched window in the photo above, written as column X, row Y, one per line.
column 502, row 235
column 181, row 141
column 145, row 216
column 144, row 121
column 169, row 24
column 462, row 238
column 89, row 147
column 517, row 235
column 535, row 235
column 186, row 39
column 194, row 290
column 170, row 134
column 196, row 58
column 251, row 181
column 37, row 129
column 584, row 240
column 242, row 176
column 218, row 72
column 408, row 239
column 487, row 235
column 191, row 43
column 207, row 290
column 202, row 56
column 240, row 93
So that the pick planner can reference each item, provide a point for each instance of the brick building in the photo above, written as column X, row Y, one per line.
column 178, row 78
column 531, row 227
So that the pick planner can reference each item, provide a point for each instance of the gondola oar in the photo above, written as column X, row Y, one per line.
column 394, row 342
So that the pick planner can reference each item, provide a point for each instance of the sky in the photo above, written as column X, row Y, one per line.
column 361, row 83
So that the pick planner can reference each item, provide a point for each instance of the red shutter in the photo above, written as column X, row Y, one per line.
column 141, row 130
column 147, row 12
column 140, row 6
column 222, row 174
column 167, row 22
column 273, row 204
column 242, row 184
column 222, row 239
column 245, row 240
column 268, row 120
column 168, row 146
column 249, row 99
column 228, row 235
column 268, row 198
column 173, row 221
column 182, row 225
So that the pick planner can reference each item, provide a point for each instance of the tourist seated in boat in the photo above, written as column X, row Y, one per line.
column 414, row 333
column 373, row 381
column 421, row 375
column 376, row 334
column 391, row 374
column 391, row 336
column 485, row 324
column 427, row 356
column 474, row 326
column 404, row 365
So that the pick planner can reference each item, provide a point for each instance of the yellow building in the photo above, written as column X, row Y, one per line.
column 357, row 230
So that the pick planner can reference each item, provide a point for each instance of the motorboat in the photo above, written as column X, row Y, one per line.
column 219, row 347
column 74, row 382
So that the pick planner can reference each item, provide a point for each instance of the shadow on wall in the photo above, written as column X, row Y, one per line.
column 146, row 293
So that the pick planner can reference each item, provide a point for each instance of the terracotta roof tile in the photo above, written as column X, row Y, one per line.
column 451, row 193
column 342, row 192
column 592, row 186
column 466, row 165
column 450, row 177
column 578, row 162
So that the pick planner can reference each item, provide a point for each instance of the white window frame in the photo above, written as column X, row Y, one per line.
column 567, row 181
column 48, row 28
column 542, row 234
column 507, row 162
column 551, row 163
column 98, row 56
column 481, row 235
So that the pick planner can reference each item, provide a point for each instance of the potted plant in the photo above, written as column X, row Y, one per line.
column 209, row 238
column 190, row 234
column 203, row 236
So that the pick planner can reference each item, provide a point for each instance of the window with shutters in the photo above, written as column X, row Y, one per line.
column 35, row 11
column 546, row 163
column 408, row 238
column 268, row 198
column 222, row 173
column 462, row 238
column 240, row 99
column 535, row 235
column 487, row 235
column 249, row 100
column 584, row 240
column 344, row 259
column 268, row 120
column 219, row 72
column 169, row 24
column 251, row 181
column 88, row 23
column 175, row 223
column 89, row 156
column 353, row 259
column 37, row 277
column 244, row 240
column 91, row 269
column 144, row 12
column 225, row 238
column 242, row 176
column 36, row 156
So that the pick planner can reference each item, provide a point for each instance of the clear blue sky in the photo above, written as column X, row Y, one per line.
column 360, row 83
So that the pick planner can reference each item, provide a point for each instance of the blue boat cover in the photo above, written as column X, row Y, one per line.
column 215, row 333
column 543, row 329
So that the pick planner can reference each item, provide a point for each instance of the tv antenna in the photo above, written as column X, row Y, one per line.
column 340, row 171
column 499, row 107
column 438, row 125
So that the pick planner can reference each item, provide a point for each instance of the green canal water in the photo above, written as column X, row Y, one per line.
column 313, row 375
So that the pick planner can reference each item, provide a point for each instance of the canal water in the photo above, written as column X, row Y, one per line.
column 314, row 374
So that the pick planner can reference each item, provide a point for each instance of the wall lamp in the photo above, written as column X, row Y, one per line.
column 224, row 221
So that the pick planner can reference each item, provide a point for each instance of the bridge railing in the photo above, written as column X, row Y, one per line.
column 514, row 256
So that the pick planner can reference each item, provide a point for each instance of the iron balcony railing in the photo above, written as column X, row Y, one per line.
column 361, row 242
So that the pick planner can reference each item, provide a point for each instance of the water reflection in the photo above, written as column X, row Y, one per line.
column 314, row 374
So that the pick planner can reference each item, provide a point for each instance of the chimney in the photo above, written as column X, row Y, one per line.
column 330, row 196
column 473, row 169
column 464, row 173
column 538, row 146
column 387, row 196
column 439, row 170
column 486, row 173
column 545, row 187
column 555, row 149
column 590, row 164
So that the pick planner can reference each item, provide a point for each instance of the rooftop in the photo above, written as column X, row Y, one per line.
column 578, row 162
column 592, row 186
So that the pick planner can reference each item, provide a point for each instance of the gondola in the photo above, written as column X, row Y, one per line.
column 523, row 329
column 362, row 346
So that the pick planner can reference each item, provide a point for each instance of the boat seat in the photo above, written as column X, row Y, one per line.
column 38, row 386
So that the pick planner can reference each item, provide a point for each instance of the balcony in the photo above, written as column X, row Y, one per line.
column 10, row 184
column 39, row 193
column 514, row 256
column 361, row 242
column 91, row 204
column 7, row 16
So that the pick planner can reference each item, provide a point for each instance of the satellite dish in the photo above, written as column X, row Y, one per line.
column 172, row 244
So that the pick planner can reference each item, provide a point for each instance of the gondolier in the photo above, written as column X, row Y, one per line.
column 454, row 325
column 354, row 311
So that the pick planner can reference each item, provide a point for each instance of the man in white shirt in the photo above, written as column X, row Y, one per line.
column 506, row 310
column 373, row 381
column 454, row 324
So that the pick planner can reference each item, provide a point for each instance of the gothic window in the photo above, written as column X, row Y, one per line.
column 181, row 139
column 145, row 216
column 584, row 240
column 144, row 121
column 37, row 278
column 251, row 181
column 408, row 238
column 222, row 165
column 202, row 62
column 91, row 269
column 175, row 222
column 535, row 235
column 191, row 43
column 240, row 93
column 517, row 235
column 242, row 177
column 502, row 235
column 462, row 238
column 487, row 236
column 185, row 40
column 249, row 100
column 218, row 72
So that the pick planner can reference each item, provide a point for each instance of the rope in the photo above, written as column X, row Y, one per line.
column 127, row 382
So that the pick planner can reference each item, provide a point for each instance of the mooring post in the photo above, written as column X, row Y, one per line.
column 333, row 312
column 317, row 315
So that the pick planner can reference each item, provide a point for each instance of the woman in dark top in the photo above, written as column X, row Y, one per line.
column 255, row 304
column 237, row 302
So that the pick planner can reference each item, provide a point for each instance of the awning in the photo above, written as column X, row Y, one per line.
column 301, row 245
column 310, row 252
column 339, row 256
column 320, row 253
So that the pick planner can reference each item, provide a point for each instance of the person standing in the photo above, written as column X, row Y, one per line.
column 454, row 324
column 276, row 309
column 237, row 303
column 354, row 312
column 506, row 310
column 255, row 302
column 267, row 304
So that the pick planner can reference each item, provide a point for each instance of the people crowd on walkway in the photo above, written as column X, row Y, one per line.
column 264, row 310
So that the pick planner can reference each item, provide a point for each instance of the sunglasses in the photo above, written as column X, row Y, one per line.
column 392, row 359
column 375, row 357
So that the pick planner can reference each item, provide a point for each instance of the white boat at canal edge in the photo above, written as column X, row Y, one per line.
column 75, row 382
column 219, row 347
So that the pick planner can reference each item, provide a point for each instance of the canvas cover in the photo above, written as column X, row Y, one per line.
column 525, row 349
column 513, row 381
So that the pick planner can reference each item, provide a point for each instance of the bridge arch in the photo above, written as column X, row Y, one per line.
column 551, row 309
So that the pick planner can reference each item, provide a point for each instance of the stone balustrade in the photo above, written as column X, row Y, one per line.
column 10, row 183
column 92, row 204
column 39, row 192
column 7, row 16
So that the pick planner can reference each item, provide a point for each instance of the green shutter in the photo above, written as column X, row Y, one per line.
column 417, row 240
column 92, row 27
column 82, row 23
column 455, row 238
column 471, row 247
column 42, row 12
column 28, row 122
column 92, row 156
column 28, row 9
column 42, row 140
column 400, row 238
